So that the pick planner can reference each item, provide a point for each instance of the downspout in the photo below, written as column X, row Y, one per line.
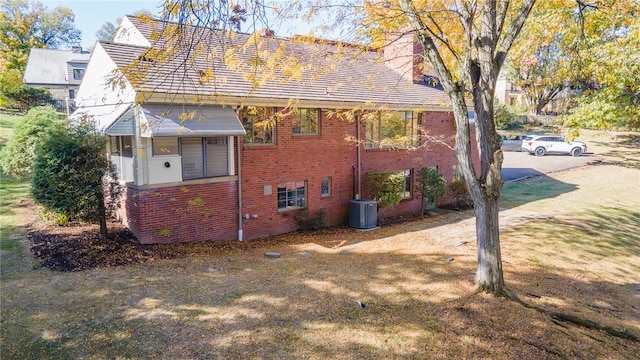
column 240, row 222
column 359, row 162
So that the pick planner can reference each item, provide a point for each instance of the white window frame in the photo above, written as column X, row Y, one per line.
column 295, row 201
column 457, row 175
column 407, row 193
column 121, row 154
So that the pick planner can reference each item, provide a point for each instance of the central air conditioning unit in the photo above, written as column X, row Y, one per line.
column 363, row 214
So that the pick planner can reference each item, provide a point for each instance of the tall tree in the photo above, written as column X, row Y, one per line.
column 107, row 31
column 577, row 45
column 24, row 26
column 610, row 68
column 540, row 62
column 465, row 42
column 56, row 28
column 27, row 25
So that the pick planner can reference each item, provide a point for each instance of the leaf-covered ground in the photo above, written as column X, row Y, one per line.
column 570, row 245
column 78, row 247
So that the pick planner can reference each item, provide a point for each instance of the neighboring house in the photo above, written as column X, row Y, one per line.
column 507, row 93
column 206, row 155
column 60, row 71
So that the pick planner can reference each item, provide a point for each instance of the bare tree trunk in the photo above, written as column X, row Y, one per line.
column 485, row 50
column 102, row 216
column 489, row 276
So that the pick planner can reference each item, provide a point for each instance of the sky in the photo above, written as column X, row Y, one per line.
column 90, row 15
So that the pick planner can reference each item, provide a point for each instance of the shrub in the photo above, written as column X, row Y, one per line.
column 431, row 186
column 457, row 189
column 27, row 97
column 307, row 222
column 508, row 117
column 68, row 172
column 386, row 187
column 18, row 155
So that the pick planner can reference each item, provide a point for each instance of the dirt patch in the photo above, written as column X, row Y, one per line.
column 78, row 247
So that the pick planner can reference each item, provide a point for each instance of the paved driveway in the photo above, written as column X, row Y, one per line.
column 518, row 165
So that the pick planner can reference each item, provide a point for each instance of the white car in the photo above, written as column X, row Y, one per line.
column 553, row 144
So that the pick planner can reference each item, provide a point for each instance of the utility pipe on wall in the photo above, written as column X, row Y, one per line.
column 359, row 163
column 240, row 223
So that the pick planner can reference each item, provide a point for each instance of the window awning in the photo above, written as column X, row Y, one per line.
column 169, row 120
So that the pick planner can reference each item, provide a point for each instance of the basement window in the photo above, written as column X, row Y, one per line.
column 292, row 195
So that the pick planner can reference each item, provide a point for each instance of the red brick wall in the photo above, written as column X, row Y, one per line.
column 183, row 213
column 296, row 158
column 439, row 125
column 312, row 157
column 210, row 211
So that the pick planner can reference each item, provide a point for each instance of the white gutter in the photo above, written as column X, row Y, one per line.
column 359, row 161
column 240, row 223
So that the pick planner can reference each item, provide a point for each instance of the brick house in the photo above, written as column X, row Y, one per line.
column 204, row 154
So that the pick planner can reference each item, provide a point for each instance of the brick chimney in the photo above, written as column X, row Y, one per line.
column 404, row 54
column 266, row 33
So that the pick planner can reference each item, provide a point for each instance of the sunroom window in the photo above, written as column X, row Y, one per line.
column 121, row 151
column 204, row 157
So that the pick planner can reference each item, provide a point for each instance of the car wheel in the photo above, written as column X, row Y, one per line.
column 540, row 151
column 576, row 152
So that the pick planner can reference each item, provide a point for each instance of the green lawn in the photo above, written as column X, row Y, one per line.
column 7, row 123
column 12, row 190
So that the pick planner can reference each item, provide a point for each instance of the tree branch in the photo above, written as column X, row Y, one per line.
column 512, row 32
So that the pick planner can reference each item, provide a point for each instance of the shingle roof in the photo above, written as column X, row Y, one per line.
column 306, row 71
column 49, row 66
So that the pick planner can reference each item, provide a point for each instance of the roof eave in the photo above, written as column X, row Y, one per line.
column 241, row 101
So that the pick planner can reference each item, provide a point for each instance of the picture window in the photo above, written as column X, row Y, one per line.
column 393, row 129
column 260, row 125
column 306, row 121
